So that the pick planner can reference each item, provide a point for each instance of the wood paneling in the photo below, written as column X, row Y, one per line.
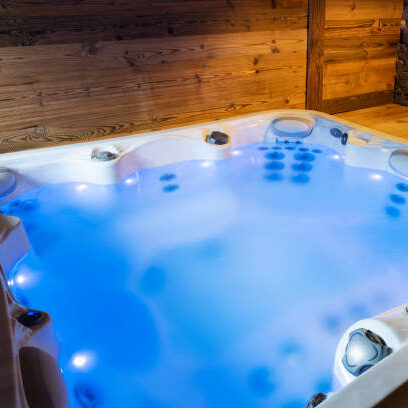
column 401, row 77
column 360, row 49
column 315, row 56
column 78, row 70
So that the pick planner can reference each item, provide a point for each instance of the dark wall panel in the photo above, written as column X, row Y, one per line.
column 401, row 80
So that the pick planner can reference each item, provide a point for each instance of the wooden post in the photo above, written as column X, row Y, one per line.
column 315, row 55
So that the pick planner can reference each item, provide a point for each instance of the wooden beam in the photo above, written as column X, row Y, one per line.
column 359, row 101
column 317, row 12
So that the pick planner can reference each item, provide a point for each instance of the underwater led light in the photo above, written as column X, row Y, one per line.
column 83, row 360
column 81, row 187
column 21, row 279
column 130, row 180
column 206, row 164
column 79, row 361
column 376, row 176
column 25, row 278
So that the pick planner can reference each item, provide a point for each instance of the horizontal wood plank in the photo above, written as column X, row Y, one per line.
column 361, row 41
column 37, row 30
column 75, row 71
column 361, row 9
column 80, row 70
column 358, row 101
column 19, row 8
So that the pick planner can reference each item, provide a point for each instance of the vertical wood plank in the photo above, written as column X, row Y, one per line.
column 317, row 12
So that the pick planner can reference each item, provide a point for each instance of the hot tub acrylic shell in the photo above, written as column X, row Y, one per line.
column 75, row 163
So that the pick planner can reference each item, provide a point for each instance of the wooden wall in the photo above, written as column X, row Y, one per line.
column 356, row 51
column 75, row 70
column 401, row 78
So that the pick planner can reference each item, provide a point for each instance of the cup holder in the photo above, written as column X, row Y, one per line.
column 289, row 127
column 398, row 161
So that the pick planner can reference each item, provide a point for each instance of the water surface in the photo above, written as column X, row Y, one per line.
column 213, row 284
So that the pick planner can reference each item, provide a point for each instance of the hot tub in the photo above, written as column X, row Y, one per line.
column 216, row 265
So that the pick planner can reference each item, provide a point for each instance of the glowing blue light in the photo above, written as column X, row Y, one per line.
column 376, row 177
column 130, row 180
column 206, row 164
column 81, row 187
column 83, row 360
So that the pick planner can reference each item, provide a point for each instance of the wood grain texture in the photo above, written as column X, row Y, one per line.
column 357, row 66
column 357, row 102
column 74, row 71
column 361, row 38
column 401, row 77
column 317, row 10
column 389, row 118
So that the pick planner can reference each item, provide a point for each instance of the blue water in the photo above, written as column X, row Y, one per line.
column 213, row 284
